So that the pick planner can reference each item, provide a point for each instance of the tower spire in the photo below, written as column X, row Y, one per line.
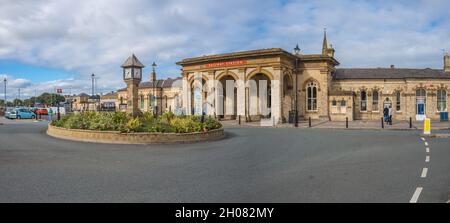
column 325, row 43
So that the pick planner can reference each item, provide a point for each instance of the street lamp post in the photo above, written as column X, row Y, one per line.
column 297, row 52
column 155, row 113
column 4, row 81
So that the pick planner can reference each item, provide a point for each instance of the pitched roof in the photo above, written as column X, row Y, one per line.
column 389, row 73
column 165, row 83
column 132, row 61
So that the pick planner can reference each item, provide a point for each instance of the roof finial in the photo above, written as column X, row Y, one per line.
column 325, row 44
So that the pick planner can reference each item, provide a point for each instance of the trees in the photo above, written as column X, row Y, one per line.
column 18, row 102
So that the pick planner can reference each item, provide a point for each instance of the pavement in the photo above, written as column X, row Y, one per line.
column 250, row 165
column 357, row 124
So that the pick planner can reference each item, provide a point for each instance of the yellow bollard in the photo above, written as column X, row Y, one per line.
column 427, row 126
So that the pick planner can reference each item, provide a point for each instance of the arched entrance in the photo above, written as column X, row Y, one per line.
column 421, row 104
column 227, row 97
column 259, row 97
column 198, row 97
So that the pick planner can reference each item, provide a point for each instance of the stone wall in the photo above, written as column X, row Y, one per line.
column 114, row 137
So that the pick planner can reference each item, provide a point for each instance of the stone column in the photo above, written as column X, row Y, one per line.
column 241, row 97
column 133, row 100
column 276, row 96
column 186, row 95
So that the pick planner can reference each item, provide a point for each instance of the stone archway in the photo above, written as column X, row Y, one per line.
column 226, row 103
column 259, row 96
column 198, row 96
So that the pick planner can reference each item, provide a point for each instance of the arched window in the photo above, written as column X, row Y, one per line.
column 311, row 102
column 441, row 100
column 343, row 107
column 363, row 101
column 397, row 101
column 142, row 101
column 421, row 101
column 375, row 100
column 165, row 100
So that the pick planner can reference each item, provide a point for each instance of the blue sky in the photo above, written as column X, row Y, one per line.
column 51, row 44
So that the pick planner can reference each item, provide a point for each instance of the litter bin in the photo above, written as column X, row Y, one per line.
column 444, row 116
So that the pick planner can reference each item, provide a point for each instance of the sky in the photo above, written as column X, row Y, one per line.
column 50, row 44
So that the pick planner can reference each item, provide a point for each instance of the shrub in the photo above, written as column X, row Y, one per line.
column 120, row 121
column 167, row 116
column 133, row 125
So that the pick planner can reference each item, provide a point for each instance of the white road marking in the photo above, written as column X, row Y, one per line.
column 424, row 172
column 428, row 149
column 426, row 143
column 427, row 159
column 416, row 195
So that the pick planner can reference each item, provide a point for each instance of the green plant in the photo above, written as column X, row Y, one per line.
column 120, row 121
column 133, row 125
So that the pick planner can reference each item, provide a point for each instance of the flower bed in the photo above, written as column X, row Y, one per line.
column 120, row 128
column 119, row 121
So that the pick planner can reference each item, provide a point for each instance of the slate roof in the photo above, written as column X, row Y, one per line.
column 165, row 83
column 132, row 61
column 389, row 73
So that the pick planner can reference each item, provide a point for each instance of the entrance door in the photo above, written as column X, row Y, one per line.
column 420, row 116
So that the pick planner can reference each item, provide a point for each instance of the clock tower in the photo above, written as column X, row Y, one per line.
column 132, row 75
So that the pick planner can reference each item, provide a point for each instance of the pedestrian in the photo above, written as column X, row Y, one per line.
column 50, row 112
column 390, row 115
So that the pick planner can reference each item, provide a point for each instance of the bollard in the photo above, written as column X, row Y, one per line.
column 410, row 122
column 382, row 123
column 239, row 119
column 296, row 119
column 427, row 126
column 309, row 121
column 346, row 122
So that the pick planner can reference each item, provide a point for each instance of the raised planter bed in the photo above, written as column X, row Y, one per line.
column 115, row 137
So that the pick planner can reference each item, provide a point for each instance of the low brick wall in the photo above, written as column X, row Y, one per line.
column 114, row 137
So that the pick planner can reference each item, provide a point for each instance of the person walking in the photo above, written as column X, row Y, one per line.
column 50, row 112
column 390, row 115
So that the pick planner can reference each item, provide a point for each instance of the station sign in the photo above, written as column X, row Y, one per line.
column 226, row 63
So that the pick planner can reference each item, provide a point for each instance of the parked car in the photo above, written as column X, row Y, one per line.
column 8, row 111
column 21, row 113
column 41, row 111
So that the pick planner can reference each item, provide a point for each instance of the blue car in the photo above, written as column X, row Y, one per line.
column 21, row 113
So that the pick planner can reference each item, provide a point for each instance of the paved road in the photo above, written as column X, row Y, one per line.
column 250, row 165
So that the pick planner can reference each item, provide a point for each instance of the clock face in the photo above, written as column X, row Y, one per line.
column 127, row 73
column 137, row 73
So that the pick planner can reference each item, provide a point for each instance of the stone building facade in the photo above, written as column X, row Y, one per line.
column 156, row 96
column 312, row 84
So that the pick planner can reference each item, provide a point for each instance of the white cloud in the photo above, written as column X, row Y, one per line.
column 85, row 37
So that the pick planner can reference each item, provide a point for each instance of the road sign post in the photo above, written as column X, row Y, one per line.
column 427, row 126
